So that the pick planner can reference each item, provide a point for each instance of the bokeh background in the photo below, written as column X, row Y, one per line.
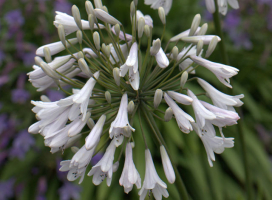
column 29, row 171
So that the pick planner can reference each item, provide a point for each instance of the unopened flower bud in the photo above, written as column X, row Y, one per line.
column 117, row 29
column 130, row 107
column 132, row 144
column 105, row 9
column 168, row 114
column 199, row 47
column 106, row 50
column 89, row 7
column 167, row 166
column 203, row 29
column 211, row 46
column 195, row 24
column 156, row 45
column 44, row 98
column 74, row 149
column 96, row 39
column 141, row 25
column 162, row 15
column 105, row 17
column 175, row 52
column 38, row 60
column 147, row 31
column 90, row 123
column 183, row 78
column 108, row 97
column 76, row 15
column 135, row 2
column 116, row 76
column 84, row 67
column 61, row 33
column 132, row 9
column 98, row 4
column 157, row 98
column 47, row 54
column 49, row 71
column 91, row 20
column 79, row 36
column 80, row 55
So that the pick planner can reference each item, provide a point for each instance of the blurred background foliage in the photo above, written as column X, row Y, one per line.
column 29, row 171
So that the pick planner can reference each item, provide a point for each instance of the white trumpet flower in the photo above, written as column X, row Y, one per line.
column 220, row 99
column 182, row 118
column 130, row 175
column 201, row 113
column 152, row 181
column 155, row 4
column 69, row 23
column 212, row 143
column 222, row 72
column 119, row 127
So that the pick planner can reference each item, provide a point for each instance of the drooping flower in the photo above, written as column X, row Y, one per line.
column 182, row 118
column 130, row 175
column 212, row 143
column 220, row 99
column 167, row 165
column 155, row 4
column 120, row 126
column 222, row 72
column 152, row 180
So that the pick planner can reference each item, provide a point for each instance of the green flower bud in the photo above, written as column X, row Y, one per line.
column 91, row 20
column 84, row 67
column 175, row 52
column 203, row 29
column 141, row 24
column 116, row 76
column 79, row 36
column 90, row 123
column 108, row 97
column 98, row 4
column 199, row 47
column 157, row 98
column 96, row 39
column 89, row 7
column 195, row 24
column 183, row 78
column 131, row 107
column 76, row 15
column 47, row 54
column 168, row 114
column 117, row 29
column 49, row 71
column 147, row 31
column 162, row 15
column 211, row 46
column 61, row 33
column 74, row 149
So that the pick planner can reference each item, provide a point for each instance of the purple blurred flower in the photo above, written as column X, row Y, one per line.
column 4, row 79
column 20, row 95
column 6, row 189
column 69, row 191
column 15, row 18
column 62, row 6
column 28, row 58
column 232, row 20
column 54, row 95
column 21, row 144
column 3, row 122
column 96, row 158
column 42, row 187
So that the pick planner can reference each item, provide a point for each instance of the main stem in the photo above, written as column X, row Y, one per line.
column 225, row 60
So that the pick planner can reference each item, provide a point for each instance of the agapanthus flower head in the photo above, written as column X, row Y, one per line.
column 114, row 80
